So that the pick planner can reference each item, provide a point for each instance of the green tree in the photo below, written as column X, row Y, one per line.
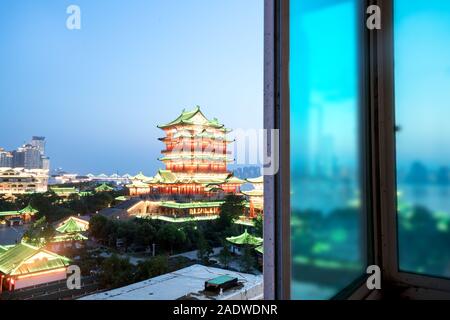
column 204, row 250
column 116, row 272
column 230, row 211
column 171, row 236
column 259, row 225
column 40, row 232
column 247, row 259
column 225, row 255
column 152, row 267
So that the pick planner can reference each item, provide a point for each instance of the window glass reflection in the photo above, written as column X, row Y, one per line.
column 328, row 245
column 422, row 82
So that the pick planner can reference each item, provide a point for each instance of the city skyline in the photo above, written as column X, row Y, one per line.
column 97, row 93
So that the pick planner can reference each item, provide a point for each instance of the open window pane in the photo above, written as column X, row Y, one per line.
column 422, row 82
column 328, row 242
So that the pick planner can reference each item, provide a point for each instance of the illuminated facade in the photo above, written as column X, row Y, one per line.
column 195, row 159
column 255, row 196
column 19, row 181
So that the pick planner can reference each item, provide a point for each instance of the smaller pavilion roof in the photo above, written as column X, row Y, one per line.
column 19, row 260
column 260, row 249
column 140, row 176
column 104, row 188
column 73, row 225
column 245, row 239
column 29, row 209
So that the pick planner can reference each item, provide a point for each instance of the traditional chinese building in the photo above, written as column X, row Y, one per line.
column 24, row 265
column 18, row 217
column 70, row 233
column 195, row 159
column 255, row 196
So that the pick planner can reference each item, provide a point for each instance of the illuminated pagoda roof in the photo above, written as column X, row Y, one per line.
column 253, row 193
column 245, row 239
column 169, row 177
column 73, row 225
column 199, row 156
column 202, row 135
column 104, row 188
column 189, row 205
column 137, row 184
column 140, row 176
column 234, row 179
column 194, row 117
column 121, row 198
column 18, row 260
column 260, row 249
column 255, row 180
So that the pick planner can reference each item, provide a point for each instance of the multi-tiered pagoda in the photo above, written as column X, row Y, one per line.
column 195, row 158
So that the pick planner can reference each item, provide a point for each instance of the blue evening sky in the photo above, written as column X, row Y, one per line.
column 324, row 82
column 98, row 93
column 422, row 66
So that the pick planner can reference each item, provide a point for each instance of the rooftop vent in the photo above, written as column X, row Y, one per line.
column 222, row 282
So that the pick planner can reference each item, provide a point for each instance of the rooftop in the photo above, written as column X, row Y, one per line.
column 19, row 259
column 193, row 117
column 187, row 283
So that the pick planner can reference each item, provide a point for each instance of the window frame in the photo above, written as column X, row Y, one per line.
column 378, row 95
column 387, row 175
column 277, row 239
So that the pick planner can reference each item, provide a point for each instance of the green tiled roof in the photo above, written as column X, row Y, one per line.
column 186, row 117
column 3, row 249
column 28, row 209
column 9, row 213
column 245, row 239
column 12, row 261
column 103, row 187
column 69, row 237
column 256, row 180
column 189, row 205
column 64, row 190
column 71, row 225
column 202, row 135
column 260, row 249
column 140, row 176
column 253, row 193
column 209, row 157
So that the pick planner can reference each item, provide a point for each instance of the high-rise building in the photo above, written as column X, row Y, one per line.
column 39, row 143
column 29, row 156
column 18, row 158
column 32, row 158
column 6, row 159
